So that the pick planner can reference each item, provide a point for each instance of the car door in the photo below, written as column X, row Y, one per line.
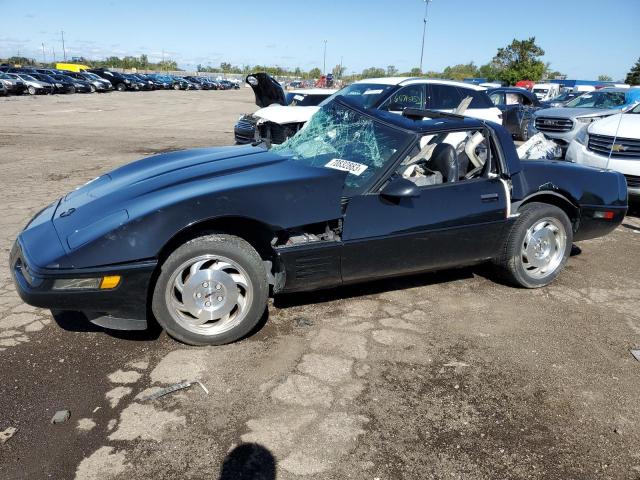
column 445, row 225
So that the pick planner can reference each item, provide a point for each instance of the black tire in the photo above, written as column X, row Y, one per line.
column 233, row 248
column 176, row 86
column 121, row 87
column 72, row 90
column 32, row 90
column 93, row 88
column 511, row 264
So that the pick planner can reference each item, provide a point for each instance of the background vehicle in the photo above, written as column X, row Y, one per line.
column 58, row 87
column 119, row 81
column 78, row 83
column 3, row 90
column 282, row 115
column 563, row 124
column 613, row 142
column 562, row 99
column 34, row 86
column 202, row 236
column 546, row 91
column 72, row 67
column 517, row 106
column 14, row 85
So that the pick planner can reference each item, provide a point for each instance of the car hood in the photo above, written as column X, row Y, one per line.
column 241, row 181
column 284, row 114
column 566, row 112
column 623, row 125
column 266, row 90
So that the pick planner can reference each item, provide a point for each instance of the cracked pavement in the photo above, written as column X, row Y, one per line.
column 441, row 375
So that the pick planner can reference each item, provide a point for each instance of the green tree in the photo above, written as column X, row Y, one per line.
column 519, row 61
column 338, row 71
column 604, row 78
column 373, row 72
column 392, row 71
column 315, row 73
column 488, row 71
column 461, row 71
column 415, row 72
column 633, row 77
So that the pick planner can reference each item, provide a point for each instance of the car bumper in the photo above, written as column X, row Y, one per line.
column 123, row 307
column 630, row 168
column 244, row 135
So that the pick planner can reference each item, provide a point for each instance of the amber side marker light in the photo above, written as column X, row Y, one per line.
column 608, row 215
column 110, row 281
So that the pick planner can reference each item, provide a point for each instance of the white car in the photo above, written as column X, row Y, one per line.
column 281, row 114
column 546, row 91
column 614, row 143
column 397, row 93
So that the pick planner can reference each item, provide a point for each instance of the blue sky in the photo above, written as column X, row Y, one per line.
column 583, row 38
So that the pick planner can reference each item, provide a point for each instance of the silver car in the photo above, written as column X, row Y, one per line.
column 563, row 124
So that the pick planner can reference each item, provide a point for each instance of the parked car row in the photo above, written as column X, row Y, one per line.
column 34, row 81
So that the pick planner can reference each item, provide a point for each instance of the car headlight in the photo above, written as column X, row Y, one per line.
column 588, row 119
column 59, row 85
column 79, row 85
column 127, row 81
column 583, row 136
column 100, row 283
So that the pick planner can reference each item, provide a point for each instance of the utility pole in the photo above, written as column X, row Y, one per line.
column 53, row 54
column 64, row 51
column 424, row 30
column 44, row 58
column 340, row 67
column 324, row 64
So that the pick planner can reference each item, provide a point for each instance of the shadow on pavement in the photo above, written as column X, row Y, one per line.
column 79, row 322
column 249, row 461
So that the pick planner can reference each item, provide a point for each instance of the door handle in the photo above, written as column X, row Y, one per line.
column 489, row 197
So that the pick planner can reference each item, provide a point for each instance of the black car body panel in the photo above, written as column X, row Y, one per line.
column 266, row 89
column 124, row 221
column 516, row 114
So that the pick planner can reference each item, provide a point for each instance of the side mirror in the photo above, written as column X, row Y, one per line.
column 400, row 187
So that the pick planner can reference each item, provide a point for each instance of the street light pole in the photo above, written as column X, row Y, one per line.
column 64, row 51
column 324, row 64
column 424, row 30
column 44, row 57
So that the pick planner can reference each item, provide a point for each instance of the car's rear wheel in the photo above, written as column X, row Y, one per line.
column 32, row 90
column 211, row 290
column 537, row 247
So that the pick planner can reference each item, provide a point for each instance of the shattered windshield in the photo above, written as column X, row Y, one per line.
column 341, row 138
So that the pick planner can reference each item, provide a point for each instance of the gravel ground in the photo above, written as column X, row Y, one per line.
column 445, row 375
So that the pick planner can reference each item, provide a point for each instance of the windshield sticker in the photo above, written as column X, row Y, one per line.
column 298, row 97
column 347, row 166
column 372, row 92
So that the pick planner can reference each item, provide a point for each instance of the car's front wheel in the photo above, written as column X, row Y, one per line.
column 211, row 290
column 32, row 90
column 537, row 247
column 121, row 87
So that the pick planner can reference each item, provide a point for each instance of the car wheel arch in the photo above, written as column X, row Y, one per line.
column 557, row 199
column 256, row 233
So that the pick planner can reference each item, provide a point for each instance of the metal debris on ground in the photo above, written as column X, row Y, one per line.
column 7, row 433
column 174, row 388
column 61, row 416
column 304, row 322
column 636, row 353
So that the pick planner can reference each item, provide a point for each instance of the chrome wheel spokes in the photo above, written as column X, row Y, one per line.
column 543, row 247
column 209, row 294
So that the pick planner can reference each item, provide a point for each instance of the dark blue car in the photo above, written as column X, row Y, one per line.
column 199, row 239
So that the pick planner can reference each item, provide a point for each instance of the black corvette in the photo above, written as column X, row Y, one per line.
column 200, row 238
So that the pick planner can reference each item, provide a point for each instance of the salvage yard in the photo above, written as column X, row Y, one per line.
column 442, row 375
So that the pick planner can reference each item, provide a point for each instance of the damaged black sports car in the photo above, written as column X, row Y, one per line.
column 200, row 238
